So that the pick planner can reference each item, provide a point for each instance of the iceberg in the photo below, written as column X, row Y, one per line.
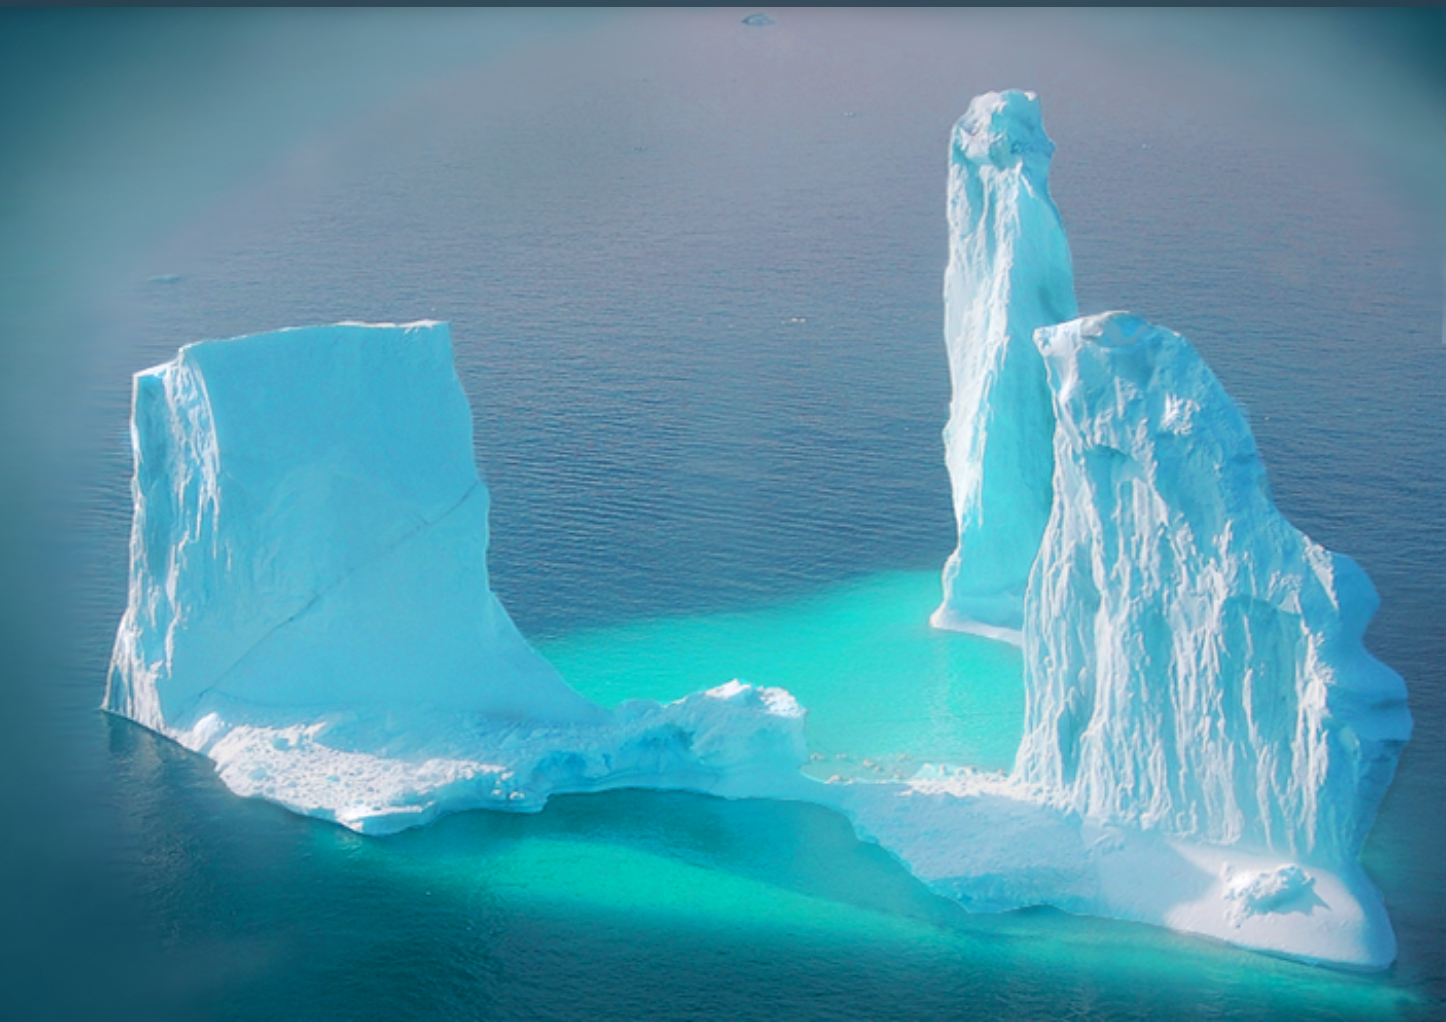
column 1193, row 663
column 1009, row 273
column 309, row 602
column 310, row 530
column 1206, row 737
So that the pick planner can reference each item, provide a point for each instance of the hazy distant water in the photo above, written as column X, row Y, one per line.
column 693, row 272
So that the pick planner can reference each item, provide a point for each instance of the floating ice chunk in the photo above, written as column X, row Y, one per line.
column 758, row 20
column 1193, row 663
column 1009, row 273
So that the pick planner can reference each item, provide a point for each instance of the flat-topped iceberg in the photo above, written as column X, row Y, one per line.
column 310, row 531
column 1009, row 273
column 309, row 601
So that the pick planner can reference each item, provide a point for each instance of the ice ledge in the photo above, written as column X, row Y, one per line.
column 1009, row 847
column 382, row 774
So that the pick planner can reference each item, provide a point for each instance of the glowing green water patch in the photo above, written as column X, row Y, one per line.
column 878, row 682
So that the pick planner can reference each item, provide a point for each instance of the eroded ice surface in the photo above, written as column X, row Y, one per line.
column 1206, row 737
column 1009, row 273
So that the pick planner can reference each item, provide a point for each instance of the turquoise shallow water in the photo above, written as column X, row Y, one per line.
column 636, row 904
column 879, row 684
column 693, row 272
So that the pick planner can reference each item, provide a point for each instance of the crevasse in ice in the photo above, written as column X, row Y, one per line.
column 1193, row 663
column 1009, row 273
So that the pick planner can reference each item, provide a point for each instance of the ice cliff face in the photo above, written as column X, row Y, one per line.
column 309, row 602
column 310, row 530
column 1194, row 664
column 1009, row 274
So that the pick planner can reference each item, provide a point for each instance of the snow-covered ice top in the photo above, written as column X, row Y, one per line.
column 1193, row 663
column 1009, row 273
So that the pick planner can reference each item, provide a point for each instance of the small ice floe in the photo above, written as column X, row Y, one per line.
column 1258, row 892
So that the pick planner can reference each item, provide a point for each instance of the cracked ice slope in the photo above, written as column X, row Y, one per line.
column 1193, row 663
column 1009, row 274
column 309, row 601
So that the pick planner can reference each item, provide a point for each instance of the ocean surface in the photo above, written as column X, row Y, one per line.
column 693, row 270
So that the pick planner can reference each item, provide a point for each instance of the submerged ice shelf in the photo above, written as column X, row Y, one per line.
column 1205, row 737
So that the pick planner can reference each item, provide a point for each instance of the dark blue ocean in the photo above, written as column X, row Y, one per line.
column 693, row 269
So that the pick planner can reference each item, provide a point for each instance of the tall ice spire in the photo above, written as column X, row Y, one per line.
column 1009, row 274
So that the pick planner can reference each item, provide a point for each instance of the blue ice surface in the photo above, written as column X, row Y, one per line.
column 1194, row 664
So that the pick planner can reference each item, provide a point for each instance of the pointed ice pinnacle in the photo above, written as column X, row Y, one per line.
column 1009, row 274
column 1193, row 663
